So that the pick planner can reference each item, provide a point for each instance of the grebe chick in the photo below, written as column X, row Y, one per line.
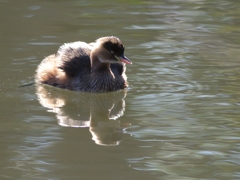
column 93, row 67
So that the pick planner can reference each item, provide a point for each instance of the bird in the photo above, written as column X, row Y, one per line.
column 99, row 66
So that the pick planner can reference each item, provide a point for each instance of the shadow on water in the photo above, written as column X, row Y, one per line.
column 98, row 112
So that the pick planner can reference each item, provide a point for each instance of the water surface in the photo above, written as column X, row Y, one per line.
column 178, row 120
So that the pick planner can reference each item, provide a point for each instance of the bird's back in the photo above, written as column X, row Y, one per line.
column 61, row 70
column 75, row 58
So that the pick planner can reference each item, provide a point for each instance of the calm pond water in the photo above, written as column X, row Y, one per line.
column 180, row 119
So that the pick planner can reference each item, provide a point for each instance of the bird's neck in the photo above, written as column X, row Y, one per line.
column 97, row 65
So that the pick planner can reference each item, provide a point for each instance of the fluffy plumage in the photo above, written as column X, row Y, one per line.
column 93, row 67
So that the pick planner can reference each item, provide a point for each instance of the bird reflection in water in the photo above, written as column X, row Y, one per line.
column 98, row 111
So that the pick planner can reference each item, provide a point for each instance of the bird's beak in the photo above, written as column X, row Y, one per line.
column 124, row 59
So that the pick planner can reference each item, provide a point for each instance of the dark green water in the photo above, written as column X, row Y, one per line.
column 180, row 119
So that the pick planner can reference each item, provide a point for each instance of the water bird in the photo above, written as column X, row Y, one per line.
column 90, row 67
